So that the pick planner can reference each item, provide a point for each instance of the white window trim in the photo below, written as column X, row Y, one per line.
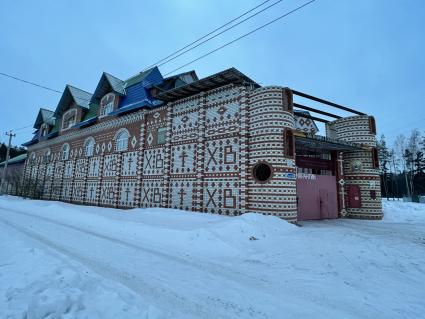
column 108, row 106
column 65, row 115
column 124, row 141
column 44, row 128
column 63, row 157
column 86, row 144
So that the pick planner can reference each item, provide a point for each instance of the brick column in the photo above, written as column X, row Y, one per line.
column 139, row 172
column 200, row 156
column 166, row 192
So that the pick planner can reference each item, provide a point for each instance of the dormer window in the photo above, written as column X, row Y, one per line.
column 44, row 129
column 69, row 119
column 107, row 104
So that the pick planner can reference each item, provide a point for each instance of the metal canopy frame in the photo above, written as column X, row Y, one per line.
column 216, row 80
column 312, row 109
column 324, row 143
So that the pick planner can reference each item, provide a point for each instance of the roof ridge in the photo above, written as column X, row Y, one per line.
column 109, row 74
column 42, row 108
column 74, row 87
column 147, row 71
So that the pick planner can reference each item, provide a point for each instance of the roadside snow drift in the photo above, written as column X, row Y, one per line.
column 60, row 260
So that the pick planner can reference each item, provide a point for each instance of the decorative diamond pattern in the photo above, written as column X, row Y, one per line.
column 133, row 141
column 109, row 146
column 150, row 138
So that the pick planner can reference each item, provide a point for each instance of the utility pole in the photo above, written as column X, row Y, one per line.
column 3, row 180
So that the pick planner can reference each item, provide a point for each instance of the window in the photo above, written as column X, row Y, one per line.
column 44, row 129
column 262, row 172
column 121, row 140
column 65, row 152
column 47, row 155
column 289, row 143
column 162, row 135
column 107, row 104
column 372, row 125
column 69, row 119
column 375, row 159
column 89, row 146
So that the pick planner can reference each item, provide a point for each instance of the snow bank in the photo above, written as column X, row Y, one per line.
column 60, row 260
column 407, row 212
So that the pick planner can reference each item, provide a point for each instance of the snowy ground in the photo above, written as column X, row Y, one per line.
column 65, row 261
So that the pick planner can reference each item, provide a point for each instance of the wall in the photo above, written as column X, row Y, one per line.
column 213, row 141
column 358, row 166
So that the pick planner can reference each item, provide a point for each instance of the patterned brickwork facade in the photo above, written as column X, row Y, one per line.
column 199, row 154
column 359, row 167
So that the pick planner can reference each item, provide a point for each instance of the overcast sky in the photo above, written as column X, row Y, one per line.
column 365, row 54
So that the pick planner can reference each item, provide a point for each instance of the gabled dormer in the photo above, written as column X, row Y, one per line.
column 72, row 107
column 44, row 122
column 107, row 95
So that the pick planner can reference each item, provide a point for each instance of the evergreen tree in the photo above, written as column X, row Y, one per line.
column 384, row 162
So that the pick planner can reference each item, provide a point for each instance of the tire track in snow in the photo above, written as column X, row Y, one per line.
column 219, row 269
column 158, row 295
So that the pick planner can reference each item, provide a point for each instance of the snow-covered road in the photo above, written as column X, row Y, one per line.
column 65, row 261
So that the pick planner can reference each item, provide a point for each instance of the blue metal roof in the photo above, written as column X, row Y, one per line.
column 86, row 122
column 138, row 92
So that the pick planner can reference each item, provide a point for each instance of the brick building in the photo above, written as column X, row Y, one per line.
column 222, row 144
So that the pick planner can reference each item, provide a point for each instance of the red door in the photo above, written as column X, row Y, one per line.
column 317, row 197
column 354, row 196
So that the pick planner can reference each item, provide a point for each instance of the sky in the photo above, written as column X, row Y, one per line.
column 364, row 54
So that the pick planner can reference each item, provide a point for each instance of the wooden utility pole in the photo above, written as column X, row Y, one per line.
column 3, row 180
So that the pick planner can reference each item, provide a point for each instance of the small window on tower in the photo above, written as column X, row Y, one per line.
column 375, row 158
column 289, row 143
column 162, row 135
column 372, row 125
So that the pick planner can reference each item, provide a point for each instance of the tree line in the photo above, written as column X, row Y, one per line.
column 402, row 167
column 14, row 151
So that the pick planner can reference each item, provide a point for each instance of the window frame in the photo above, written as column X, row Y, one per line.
column 121, row 143
column 67, row 147
column 65, row 115
column 289, row 140
column 372, row 125
column 89, row 145
column 110, row 105
column 375, row 158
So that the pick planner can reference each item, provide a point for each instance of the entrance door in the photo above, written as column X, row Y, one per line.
column 317, row 197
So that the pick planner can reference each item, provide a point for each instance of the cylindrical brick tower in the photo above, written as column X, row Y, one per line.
column 271, row 153
column 361, row 168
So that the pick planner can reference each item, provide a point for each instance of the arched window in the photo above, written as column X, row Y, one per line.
column 47, row 156
column 107, row 104
column 69, row 119
column 121, row 140
column 89, row 146
column 44, row 129
column 289, row 143
column 65, row 151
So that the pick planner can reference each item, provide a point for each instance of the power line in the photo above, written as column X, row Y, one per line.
column 242, row 36
column 29, row 82
column 216, row 35
column 21, row 128
column 206, row 35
